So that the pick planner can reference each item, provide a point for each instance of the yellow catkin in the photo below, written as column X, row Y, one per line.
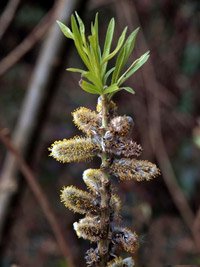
column 119, row 262
column 89, row 228
column 132, row 169
column 86, row 120
column 78, row 200
column 92, row 178
column 74, row 150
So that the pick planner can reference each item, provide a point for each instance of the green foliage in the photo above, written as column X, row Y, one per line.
column 94, row 79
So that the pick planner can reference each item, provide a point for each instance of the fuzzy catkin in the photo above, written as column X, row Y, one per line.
column 74, row 150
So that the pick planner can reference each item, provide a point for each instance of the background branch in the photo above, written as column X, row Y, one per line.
column 35, row 36
column 8, row 15
column 150, row 83
column 42, row 83
column 40, row 197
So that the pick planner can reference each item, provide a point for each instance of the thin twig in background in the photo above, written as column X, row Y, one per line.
column 40, row 197
column 43, row 82
column 35, row 36
column 162, row 157
column 8, row 15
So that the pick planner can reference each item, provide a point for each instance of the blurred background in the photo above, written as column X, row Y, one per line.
column 37, row 97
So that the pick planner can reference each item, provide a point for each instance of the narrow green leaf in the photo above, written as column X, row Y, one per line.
column 81, row 27
column 92, row 78
column 108, row 74
column 119, row 45
column 88, row 87
column 76, row 70
column 66, row 31
column 128, row 89
column 109, row 38
column 118, row 65
column 133, row 68
column 110, row 89
column 130, row 44
column 124, row 54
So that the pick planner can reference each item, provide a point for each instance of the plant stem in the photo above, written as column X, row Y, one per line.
column 105, row 192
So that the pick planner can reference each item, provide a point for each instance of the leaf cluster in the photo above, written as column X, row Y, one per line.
column 94, row 79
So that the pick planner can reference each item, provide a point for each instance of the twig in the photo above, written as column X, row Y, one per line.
column 8, row 15
column 41, row 85
column 40, row 197
column 156, row 135
column 35, row 36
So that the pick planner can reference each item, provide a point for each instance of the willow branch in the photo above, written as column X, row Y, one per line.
column 40, row 197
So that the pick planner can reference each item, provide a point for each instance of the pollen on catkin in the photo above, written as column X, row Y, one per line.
column 86, row 120
column 89, row 228
column 132, row 169
column 78, row 200
column 126, row 239
column 119, row 262
column 92, row 178
column 74, row 150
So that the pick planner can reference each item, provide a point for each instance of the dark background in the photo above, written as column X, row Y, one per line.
column 165, row 109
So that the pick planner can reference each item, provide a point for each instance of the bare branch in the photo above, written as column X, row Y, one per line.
column 35, row 36
column 8, row 16
column 155, row 134
column 40, row 197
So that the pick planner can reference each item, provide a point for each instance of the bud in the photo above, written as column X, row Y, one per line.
column 119, row 262
column 74, row 150
column 90, row 229
column 120, row 146
column 121, row 125
column 92, row 257
column 126, row 239
column 86, row 120
column 132, row 169
column 92, row 178
column 78, row 200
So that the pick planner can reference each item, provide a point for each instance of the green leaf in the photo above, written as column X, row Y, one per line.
column 118, row 65
column 110, row 89
column 119, row 45
column 88, row 87
column 81, row 27
column 128, row 89
column 133, row 68
column 124, row 54
column 109, row 38
column 108, row 74
column 92, row 78
column 76, row 70
column 66, row 31
column 78, row 42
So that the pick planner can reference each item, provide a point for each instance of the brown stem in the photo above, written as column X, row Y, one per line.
column 105, row 192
